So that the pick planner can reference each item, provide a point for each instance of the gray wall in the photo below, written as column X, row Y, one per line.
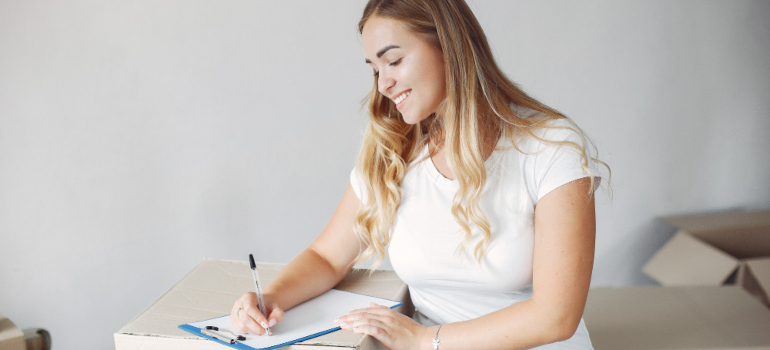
column 137, row 138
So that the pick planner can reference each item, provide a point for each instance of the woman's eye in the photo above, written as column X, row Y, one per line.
column 393, row 64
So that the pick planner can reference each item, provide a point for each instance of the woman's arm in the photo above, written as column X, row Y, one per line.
column 314, row 271
column 565, row 231
column 563, row 259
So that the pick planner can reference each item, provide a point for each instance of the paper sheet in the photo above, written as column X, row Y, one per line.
column 307, row 320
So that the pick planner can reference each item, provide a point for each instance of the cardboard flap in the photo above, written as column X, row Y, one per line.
column 741, row 234
column 740, row 242
column 759, row 269
column 685, row 260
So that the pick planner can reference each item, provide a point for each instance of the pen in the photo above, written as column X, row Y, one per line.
column 210, row 331
column 260, row 300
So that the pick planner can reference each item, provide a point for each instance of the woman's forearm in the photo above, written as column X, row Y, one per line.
column 520, row 326
column 304, row 278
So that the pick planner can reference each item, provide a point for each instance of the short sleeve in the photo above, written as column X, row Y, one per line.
column 554, row 165
column 357, row 185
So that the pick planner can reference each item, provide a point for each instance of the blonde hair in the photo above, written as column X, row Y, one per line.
column 476, row 113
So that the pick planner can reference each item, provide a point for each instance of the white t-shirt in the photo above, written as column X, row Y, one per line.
column 448, row 287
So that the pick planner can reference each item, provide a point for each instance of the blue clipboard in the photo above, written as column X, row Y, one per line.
column 305, row 321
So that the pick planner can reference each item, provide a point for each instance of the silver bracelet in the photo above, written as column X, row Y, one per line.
column 436, row 342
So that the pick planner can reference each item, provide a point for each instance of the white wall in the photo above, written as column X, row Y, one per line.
column 137, row 138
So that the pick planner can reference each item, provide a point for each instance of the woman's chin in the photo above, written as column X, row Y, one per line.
column 412, row 119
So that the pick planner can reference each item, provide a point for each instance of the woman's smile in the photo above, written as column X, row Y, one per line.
column 401, row 98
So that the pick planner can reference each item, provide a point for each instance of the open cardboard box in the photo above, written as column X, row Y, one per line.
column 11, row 337
column 717, row 249
column 209, row 291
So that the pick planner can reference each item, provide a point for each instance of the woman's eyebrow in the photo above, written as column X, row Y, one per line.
column 383, row 51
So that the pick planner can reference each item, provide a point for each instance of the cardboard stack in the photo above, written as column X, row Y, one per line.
column 209, row 291
column 717, row 249
column 715, row 277
column 11, row 337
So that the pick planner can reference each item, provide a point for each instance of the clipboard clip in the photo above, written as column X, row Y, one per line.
column 216, row 333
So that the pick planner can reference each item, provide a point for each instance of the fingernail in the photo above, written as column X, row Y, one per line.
column 263, row 324
column 273, row 322
column 343, row 324
column 336, row 320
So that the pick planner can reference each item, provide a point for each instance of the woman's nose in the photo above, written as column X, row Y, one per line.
column 384, row 83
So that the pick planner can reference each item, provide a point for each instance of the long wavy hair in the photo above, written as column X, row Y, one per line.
column 475, row 114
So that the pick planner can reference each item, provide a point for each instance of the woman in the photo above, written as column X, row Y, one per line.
column 483, row 196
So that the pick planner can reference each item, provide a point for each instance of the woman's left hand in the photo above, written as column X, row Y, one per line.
column 391, row 328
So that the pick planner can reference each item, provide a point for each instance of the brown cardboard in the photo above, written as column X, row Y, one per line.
column 756, row 278
column 740, row 234
column 37, row 339
column 722, row 317
column 716, row 249
column 11, row 337
column 209, row 291
column 686, row 260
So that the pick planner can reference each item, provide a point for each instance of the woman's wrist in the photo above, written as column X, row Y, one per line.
column 271, row 301
column 429, row 338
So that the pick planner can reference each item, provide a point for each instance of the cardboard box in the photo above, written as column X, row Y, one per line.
column 724, row 317
column 717, row 249
column 11, row 337
column 209, row 291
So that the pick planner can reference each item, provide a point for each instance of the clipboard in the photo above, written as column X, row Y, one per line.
column 310, row 319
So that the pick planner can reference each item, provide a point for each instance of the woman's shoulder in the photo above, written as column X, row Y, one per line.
column 546, row 131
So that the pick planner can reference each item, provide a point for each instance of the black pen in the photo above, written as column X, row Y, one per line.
column 260, row 300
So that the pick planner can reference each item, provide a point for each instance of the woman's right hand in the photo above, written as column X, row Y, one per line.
column 247, row 319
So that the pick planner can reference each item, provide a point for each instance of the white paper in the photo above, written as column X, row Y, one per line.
column 311, row 317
